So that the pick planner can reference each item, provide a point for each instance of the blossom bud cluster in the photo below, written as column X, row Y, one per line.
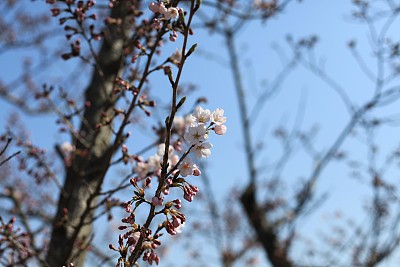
column 168, row 13
column 15, row 244
column 75, row 14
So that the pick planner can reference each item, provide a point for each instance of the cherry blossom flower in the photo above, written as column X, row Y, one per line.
column 171, row 13
column 202, row 150
column 186, row 167
column 218, row 116
column 202, row 115
column 67, row 148
column 196, row 134
column 162, row 9
column 190, row 120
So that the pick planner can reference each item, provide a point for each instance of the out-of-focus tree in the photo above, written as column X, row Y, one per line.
column 276, row 213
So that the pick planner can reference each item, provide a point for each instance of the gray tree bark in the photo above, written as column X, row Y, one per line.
column 72, row 225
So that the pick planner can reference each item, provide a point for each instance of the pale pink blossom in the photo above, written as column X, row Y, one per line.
column 202, row 115
column 202, row 150
column 190, row 120
column 196, row 134
column 67, row 148
column 218, row 116
column 186, row 167
column 171, row 13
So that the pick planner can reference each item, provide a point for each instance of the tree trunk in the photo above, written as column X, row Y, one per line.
column 266, row 234
column 72, row 225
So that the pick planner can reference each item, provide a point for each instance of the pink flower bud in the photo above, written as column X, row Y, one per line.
column 133, row 181
column 176, row 222
column 166, row 191
column 173, row 36
column 128, row 208
column 188, row 197
column 55, row 12
column 196, row 172
column 220, row 129
column 134, row 58
column 147, row 182
column 154, row 7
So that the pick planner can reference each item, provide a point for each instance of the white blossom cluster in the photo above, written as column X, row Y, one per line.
column 198, row 124
column 197, row 135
